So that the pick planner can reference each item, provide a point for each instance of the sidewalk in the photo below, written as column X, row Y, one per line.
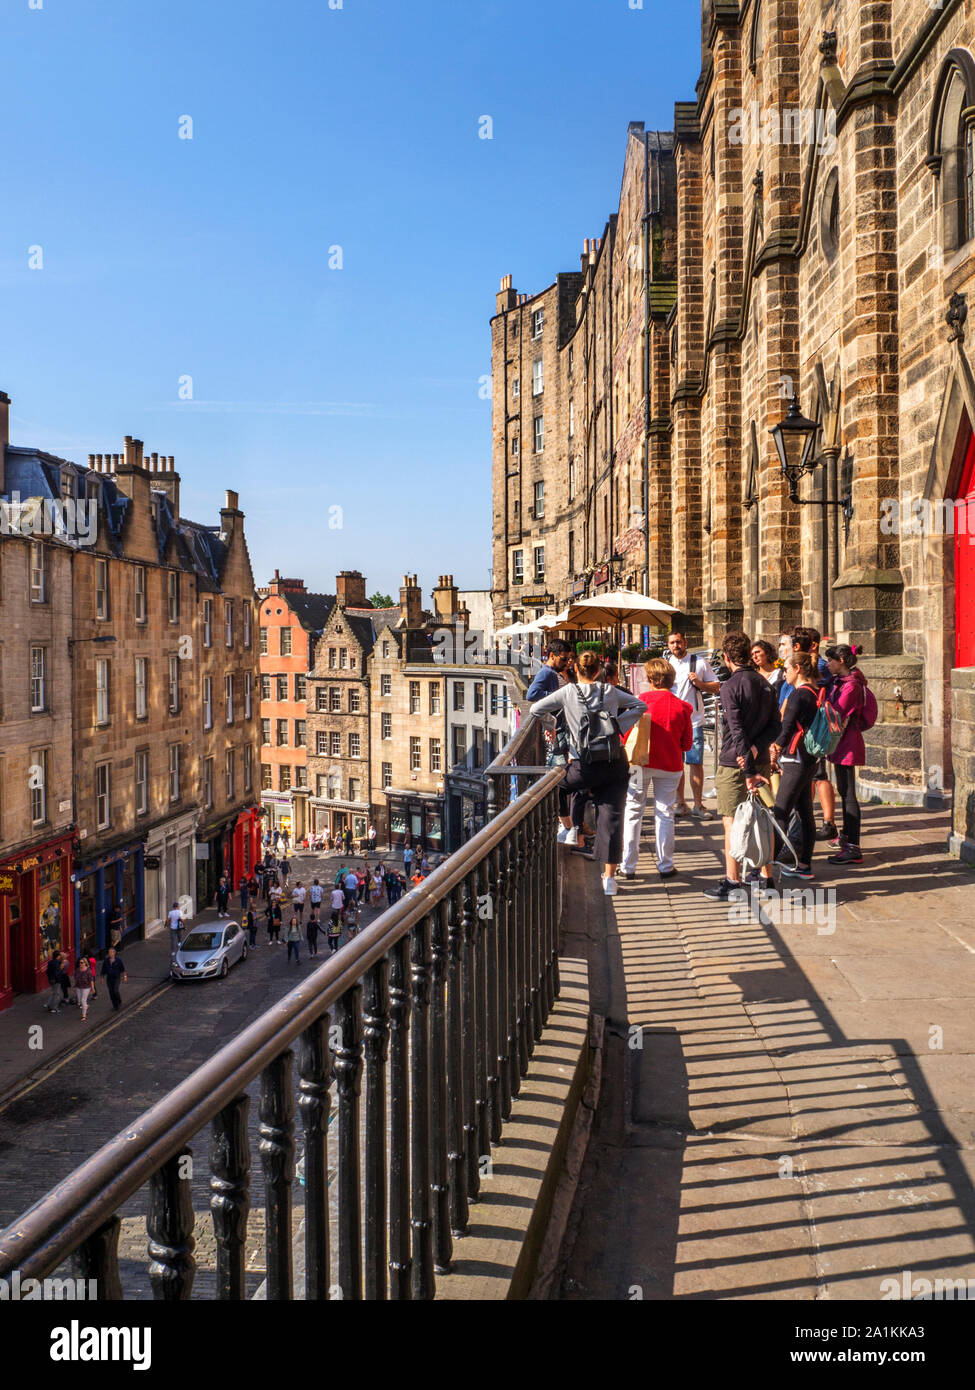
column 788, row 1106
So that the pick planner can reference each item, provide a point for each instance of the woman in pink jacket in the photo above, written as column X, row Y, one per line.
column 847, row 694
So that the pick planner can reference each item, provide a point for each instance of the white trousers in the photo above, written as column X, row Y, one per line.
column 664, row 785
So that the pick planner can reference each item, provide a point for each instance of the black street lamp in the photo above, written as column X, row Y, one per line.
column 794, row 443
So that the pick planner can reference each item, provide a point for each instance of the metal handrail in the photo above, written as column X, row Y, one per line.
column 77, row 1208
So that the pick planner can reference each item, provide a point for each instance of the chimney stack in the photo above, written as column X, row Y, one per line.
column 230, row 512
column 410, row 603
column 350, row 589
column 445, row 599
column 167, row 481
column 507, row 298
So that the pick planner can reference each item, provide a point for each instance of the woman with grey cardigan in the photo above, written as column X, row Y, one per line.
column 607, row 780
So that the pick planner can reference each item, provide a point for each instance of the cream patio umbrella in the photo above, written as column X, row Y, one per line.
column 614, row 609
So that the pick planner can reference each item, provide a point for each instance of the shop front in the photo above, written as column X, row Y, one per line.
column 246, row 844
column 109, row 899
column 36, row 915
column 278, row 813
column 466, row 809
column 415, row 818
column 168, row 864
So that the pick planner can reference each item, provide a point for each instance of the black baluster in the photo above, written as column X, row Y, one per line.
column 469, row 1037
column 314, row 1103
column 375, row 1033
column 505, row 1032
column 347, row 1066
column 491, row 984
column 554, row 899
column 480, row 1015
column 170, row 1226
column 276, row 1135
column 456, row 1150
column 420, row 961
column 399, row 1104
column 537, row 931
column 523, row 905
column 96, row 1260
column 230, row 1168
column 442, row 1243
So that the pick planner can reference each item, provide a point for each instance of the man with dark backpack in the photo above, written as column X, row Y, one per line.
column 750, row 724
column 596, row 717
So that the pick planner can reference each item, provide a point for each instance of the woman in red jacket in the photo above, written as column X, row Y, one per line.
column 671, row 735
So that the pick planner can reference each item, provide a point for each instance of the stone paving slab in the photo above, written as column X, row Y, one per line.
column 799, row 1121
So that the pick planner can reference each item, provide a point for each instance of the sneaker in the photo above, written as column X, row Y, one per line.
column 571, row 836
column 723, row 890
column 796, row 871
column 827, row 831
column 609, row 887
column 701, row 813
column 633, row 875
column 681, row 811
column 848, row 854
column 666, row 873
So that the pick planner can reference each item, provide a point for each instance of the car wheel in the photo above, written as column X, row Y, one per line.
column 224, row 968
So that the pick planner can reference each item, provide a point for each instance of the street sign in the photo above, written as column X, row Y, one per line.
column 537, row 600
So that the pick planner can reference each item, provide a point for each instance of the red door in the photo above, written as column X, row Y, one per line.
column 965, row 563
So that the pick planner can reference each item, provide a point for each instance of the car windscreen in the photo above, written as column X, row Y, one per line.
column 202, row 941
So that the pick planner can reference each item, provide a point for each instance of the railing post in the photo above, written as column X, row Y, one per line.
column 537, row 933
column 375, row 1034
column 399, row 1122
column 277, row 1150
column 469, row 1038
column 482, row 1133
column 230, row 1166
column 456, row 1152
column 442, row 1243
column 170, row 1226
column 348, row 1080
column 522, row 911
column 505, row 990
column 491, row 981
column 552, row 897
column 423, row 1280
column 97, row 1259
column 314, row 1103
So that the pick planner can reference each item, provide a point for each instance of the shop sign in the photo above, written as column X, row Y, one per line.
column 537, row 600
column 600, row 576
column 8, row 883
column 151, row 861
column 203, row 849
column 31, row 862
column 579, row 587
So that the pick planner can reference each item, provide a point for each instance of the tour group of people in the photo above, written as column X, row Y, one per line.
column 768, row 698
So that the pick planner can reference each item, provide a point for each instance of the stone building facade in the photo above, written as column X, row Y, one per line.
column 820, row 227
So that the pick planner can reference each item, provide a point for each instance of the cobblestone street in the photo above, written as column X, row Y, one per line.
column 52, row 1122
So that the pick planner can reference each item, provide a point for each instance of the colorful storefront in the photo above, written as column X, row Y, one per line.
column 246, row 849
column 415, row 818
column 36, row 915
column 109, row 888
column 231, row 847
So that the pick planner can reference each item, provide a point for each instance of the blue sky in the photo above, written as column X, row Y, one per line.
column 166, row 258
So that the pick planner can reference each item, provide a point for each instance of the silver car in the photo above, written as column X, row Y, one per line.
column 209, row 950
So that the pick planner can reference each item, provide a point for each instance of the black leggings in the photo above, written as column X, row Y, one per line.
column 606, row 783
column 846, row 785
column 795, row 795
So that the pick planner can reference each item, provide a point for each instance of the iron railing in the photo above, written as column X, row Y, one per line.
column 522, row 758
column 438, row 1005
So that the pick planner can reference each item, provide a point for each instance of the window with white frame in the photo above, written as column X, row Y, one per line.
column 321, row 699
column 539, row 433
column 335, row 743
column 141, row 687
column 140, row 593
column 228, row 773
column 436, row 755
column 38, row 573
column 572, row 419
column 208, row 622
column 387, row 775
column 538, row 378
column 517, row 566
column 38, row 679
column 572, row 479
column 101, row 691
column 281, row 733
column 515, row 446
column 247, row 624
column 263, row 641
column 174, row 772
column 321, row 743
column 38, row 786
column 539, row 501
column 539, row 556
column 516, row 388
column 267, row 777
column 478, row 698
column 174, row 684
column 385, row 650
column 208, row 702
column 335, row 699
column 103, row 796
column 301, row 775
column 538, row 323
column 266, row 731
column 208, row 781
column 300, row 688
column 434, row 697
column 355, row 701
column 415, row 755
column 355, row 786
column 286, row 646
column 458, row 695
column 228, row 698
column 414, row 697
column 228, row 622
column 248, row 685
column 101, row 589
column 281, row 687
column 142, row 781
column 354, row 746
column 386, row 725
column 301, row 733
column 248, row 767
column 173, row 593
column 385, row 685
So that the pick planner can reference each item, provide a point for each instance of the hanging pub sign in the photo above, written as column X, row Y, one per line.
column 7, row 883
column 579, row 587
column 537, row 600
column 600, row 575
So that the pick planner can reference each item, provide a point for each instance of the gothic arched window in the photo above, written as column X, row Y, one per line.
column 951, row 147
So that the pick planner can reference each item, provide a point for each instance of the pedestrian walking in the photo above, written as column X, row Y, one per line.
column 352, row 918
column 363, row 876
column 671, row 736
column 311, row 932
column 223, row 895
column 113, row 968
column 315, row 895
column 796, row 764
column 298, row 895
column 351, row 886
column 597, row 715
column 292, row 938
column 275, row 931
column 94, row 974
column 335, row 919
column 407, row 858
column 175, row 920
column 750, row 724
column 55, row 975
column 250, row 925
column 693, row 678
column 372, row 839
column 243, row 888
column 82, row 984
column 285, row 869
column 115, row 925
column 856, row 705
column 377, row 887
